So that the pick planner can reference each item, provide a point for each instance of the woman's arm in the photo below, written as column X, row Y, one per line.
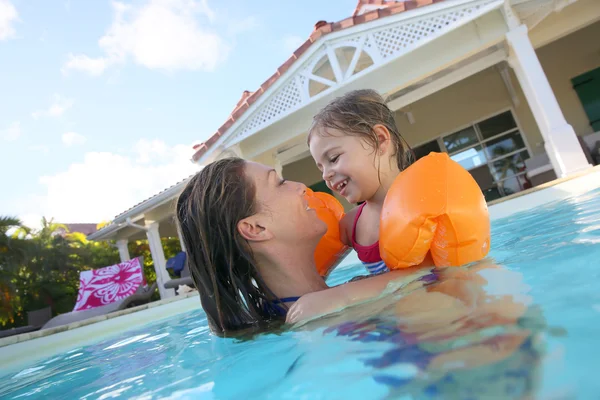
column 326, row 301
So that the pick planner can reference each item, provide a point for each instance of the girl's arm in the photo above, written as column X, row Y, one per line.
column 315, row 304
column 346, row 224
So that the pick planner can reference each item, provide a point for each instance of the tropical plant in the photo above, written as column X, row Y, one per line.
column 40, row 268
column 13, row 253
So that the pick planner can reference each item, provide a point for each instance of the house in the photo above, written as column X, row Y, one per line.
column 86, row 229
column 509, row 88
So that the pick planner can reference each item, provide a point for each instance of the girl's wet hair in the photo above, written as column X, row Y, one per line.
column 356, row 113
column 222, row 265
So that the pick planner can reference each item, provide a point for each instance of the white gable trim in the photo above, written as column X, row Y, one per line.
column 384, row 40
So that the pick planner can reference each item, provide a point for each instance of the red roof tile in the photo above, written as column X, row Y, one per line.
column 381, row 4
column 322, row 28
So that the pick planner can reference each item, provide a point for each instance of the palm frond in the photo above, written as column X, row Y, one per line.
column 9, row 222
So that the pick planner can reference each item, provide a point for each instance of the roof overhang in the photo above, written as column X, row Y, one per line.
column 139, row 212
column 383, row 39
column 374, row 32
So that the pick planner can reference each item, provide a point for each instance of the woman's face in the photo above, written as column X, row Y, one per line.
column 282, row 208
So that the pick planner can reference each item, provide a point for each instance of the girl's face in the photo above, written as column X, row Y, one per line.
column 349, row 164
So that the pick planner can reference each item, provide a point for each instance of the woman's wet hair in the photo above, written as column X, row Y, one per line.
column 356, row 113
column 222, row 265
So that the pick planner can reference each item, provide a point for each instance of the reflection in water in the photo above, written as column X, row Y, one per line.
column 459, row 332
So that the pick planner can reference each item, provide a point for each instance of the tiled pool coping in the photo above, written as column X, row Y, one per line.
column 45, row 332
column 557, row 189
column 27, row 347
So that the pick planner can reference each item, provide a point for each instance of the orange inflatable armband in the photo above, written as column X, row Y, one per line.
column 330, row 249
column 434, row 206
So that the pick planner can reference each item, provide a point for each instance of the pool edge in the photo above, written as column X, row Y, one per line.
column 25, row 349
column 558, row 189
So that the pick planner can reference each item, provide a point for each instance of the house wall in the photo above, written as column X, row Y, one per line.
column 570, row 19
column 565, row 59
column 477, row 97
column 485, row 94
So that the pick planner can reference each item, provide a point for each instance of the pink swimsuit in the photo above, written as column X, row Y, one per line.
column 369, row 255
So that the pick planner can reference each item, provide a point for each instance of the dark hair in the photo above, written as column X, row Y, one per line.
column 232, row 291
column 356, row 113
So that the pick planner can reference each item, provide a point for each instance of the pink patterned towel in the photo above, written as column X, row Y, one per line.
column 103, row 286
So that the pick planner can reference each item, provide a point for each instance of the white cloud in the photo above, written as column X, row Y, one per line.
column 160, row 34
column 72, row 139
column 8, row 16
column 57, row 108
column 151, row 150
column 105, row 184
column 40, row 148
column 33, row 221
column 12, row 133
column 203, row 8
column 291, row 43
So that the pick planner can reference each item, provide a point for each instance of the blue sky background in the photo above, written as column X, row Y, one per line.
column 101, row 101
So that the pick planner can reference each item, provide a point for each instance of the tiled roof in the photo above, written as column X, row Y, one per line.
column 152, row 197
column 322, row 28
column 84, row 228
column 377, row 3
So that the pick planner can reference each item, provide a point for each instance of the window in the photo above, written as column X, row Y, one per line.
column 424, row 149
column 494, row 152
column 587, row 87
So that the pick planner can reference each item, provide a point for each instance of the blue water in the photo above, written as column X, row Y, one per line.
column 454, row 337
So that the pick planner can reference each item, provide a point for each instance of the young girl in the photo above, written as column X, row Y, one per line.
column 356, row 144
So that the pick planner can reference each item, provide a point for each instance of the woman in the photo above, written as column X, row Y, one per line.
column 250, row 238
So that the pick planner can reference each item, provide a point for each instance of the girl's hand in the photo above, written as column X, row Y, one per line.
column 312, row 305
column 334, row 299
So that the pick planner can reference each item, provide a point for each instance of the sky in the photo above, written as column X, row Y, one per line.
column 101, row 101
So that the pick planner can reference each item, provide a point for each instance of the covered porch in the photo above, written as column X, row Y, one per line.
column 151, row 219
column 493, row 83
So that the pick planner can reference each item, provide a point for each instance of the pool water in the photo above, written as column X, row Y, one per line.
column 524, row 323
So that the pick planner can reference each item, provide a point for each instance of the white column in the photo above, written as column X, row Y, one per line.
column 158, row 257
column 278, row 166
column 123, row 250
column 561, row 142
column 180, row 239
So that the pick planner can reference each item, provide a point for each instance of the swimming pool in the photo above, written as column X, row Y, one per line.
column 529, row 323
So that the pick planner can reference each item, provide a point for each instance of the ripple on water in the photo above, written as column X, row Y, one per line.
column 127, row 341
